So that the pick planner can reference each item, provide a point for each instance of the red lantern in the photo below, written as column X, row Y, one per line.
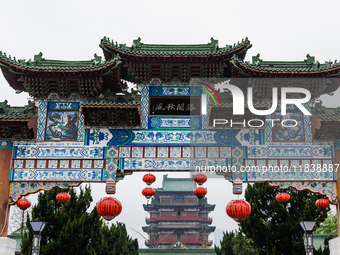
column 322, row 204
column 23, row 204
column 200, row 192
column 109, row 208
column 148, row 193
column 149, row 179
column 200, row 179
column 283, row 198
column 238, row 210
column 63, row 198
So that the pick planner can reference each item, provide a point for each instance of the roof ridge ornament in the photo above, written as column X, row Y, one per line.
column 256, row 59
column 38, row 59
column 137, row 43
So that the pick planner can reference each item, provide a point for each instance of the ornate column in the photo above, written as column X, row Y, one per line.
column 7, row 245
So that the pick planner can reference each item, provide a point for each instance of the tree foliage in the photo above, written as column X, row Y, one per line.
column 73, row 230
column 235, row 244
column 329, row 226
column 273, row 230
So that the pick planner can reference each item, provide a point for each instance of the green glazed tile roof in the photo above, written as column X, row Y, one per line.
column 165, row 49
column 41, row 63
column 308, row 65
column 177, row 184
column 8, row 112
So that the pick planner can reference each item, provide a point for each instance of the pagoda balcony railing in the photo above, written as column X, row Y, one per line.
column 170, row 241
column 181, row 218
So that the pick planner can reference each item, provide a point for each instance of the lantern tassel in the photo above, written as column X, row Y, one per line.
column 62, row 207
column 147, row 202
column 283, row 208
column 322, row 213
column 199, row 202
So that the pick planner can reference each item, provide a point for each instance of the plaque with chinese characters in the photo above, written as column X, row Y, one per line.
column 175, row 106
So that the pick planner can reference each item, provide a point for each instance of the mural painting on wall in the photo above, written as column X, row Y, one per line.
column 288, row 134
column 61, row 126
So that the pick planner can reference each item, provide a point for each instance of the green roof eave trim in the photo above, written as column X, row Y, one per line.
column 140, row 48
column 308, row 65
column 41, row 63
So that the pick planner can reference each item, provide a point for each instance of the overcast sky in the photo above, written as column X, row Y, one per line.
column 71, row 30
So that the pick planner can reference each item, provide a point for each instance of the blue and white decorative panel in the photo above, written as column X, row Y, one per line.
column 163, row 152
column 29, row 163
column 41, row 163
column 289, row 151
column 18, row 164
column 98, row 164
column 302, row 132
column 272, row 163
column 261, row 163
column 316, row 162
column 175, row 123
column 261, row 176
column 249, row 162
column 170, row 164
column 87, row 163
column 225, row 152
column 42, row 110
column 175, row 152
column 150, row 152
column 188, row 152
column 57, row 175
column 295, row 163
column 200, row 152
column 34, row 151
column 75, row 163
column 288, row 134
column 137, row 152
column 213, row 152
column 52, row 163
column 175, row 91
column 64, row 163
column 284, row 163
column 125, row 137
column 124, row 152
column 145, row 105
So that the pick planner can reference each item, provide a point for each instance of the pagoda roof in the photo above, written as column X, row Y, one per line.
column 167, row 50
column 303, row 68
column 34, row 76
column 177, row 184
column 18, row 122
column 41, row 64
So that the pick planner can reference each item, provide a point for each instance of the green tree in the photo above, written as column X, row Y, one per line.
column 329, row 226
column 235, row 244
column 226, row 244
column 243, row 245
column 275, row 231
column 73, row 230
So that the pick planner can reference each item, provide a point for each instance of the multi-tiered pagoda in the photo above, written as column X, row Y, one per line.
column 176, row 218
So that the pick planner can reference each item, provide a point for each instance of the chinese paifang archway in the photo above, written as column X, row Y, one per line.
column 84, row 126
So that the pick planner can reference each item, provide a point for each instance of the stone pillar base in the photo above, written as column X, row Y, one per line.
column 7, row 246
column 334, row 246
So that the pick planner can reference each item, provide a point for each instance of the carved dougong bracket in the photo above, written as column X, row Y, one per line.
column 19, row 189
column 326, row 189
